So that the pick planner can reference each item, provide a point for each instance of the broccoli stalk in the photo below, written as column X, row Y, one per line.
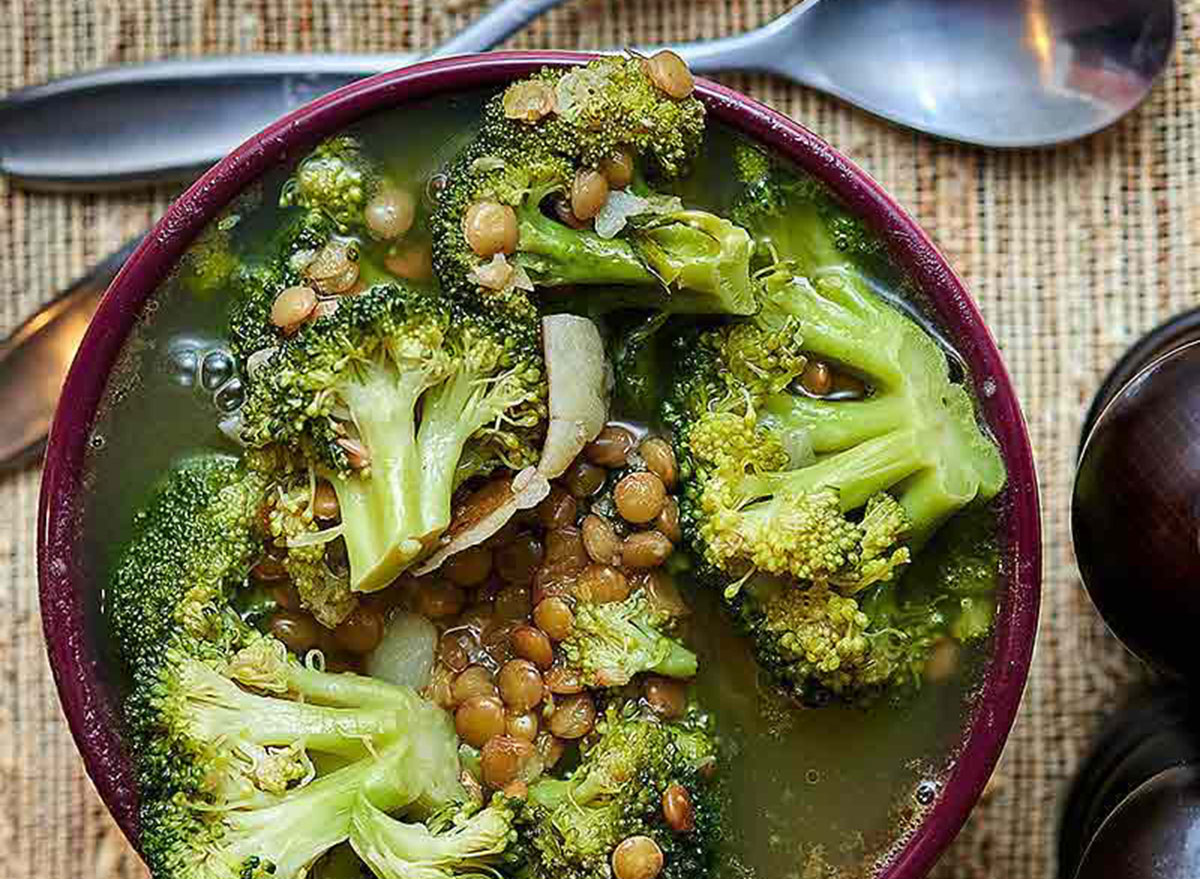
column 612, row 642
column 678, row 259
column 397, row 398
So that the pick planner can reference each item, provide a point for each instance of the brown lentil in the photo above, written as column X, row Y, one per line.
column 610, row 448
column 438, row 599
column 667, row 521
column 475, row 681
column 534, row 645
column 817, row 378
column 637, row 857
column 490, row 228
column 325, row 502
column 562, row 681
column 558, row 510
column 454, row 649
column 469, row 567
column 390, row 213
column 660, row 459
column 506, row 759
column 583, row 478
column 666, row 697
column 554, row 617
column 640, row 497
column 292, row 307
column 618, row 169
column 479, row 719
column 645, row 550
column 517, row 561
column 600, row 540
column 565, row 551
column 520, row 684
column 602, row 584
column 522, row 726
column 677, row 808
column 670, row 73
column 360, row 632
column 943, row 661
column 573, row 717
column 298, row 631
column 589, row 193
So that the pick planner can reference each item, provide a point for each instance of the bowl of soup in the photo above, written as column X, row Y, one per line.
column 667, row 520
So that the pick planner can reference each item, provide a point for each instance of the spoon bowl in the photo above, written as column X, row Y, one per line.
column 998, row 73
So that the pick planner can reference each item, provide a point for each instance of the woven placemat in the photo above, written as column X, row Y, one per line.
column 1071, row 254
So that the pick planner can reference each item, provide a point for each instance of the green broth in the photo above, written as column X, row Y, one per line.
column 835, row 787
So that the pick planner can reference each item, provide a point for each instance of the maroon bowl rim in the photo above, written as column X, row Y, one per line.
column 73, row 651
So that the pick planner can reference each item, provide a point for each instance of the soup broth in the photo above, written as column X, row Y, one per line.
column 809, row 792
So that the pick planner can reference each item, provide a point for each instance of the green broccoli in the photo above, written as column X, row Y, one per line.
column 535, row 139
column 337, row 179
column 830, row 497
column 612, row 642
column 914, row 436
column 569, row 827
column 224, row 722
column 397, row 398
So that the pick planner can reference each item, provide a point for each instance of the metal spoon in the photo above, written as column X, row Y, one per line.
column 999, row 73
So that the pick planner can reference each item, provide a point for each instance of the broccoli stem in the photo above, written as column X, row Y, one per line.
column 312, row 820
column 380, row 511
column 215, row 708
column 856, row 473
column 835, row 425
column 555, row 255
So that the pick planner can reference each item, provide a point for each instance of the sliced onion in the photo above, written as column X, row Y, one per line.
column 405, row 653
column 577, row 372
column 497, row 504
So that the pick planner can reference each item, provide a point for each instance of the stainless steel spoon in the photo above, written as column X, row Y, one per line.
column 999, row 73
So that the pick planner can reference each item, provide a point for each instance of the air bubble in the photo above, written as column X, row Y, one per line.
column 926, row 792
column 230, row 397
column 812, row 776
column 216, row 370
column 96, row 441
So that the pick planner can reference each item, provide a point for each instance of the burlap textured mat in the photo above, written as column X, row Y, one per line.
column 1070, row 253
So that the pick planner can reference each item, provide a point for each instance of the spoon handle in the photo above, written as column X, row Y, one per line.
column 494, row 26
column 763, row 49
column 167, row 121
column 34, row 361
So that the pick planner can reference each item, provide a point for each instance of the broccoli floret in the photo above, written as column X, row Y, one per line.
column 337, row 179
column 569, row 827
column 915, row 436
column 686, row 260
column 469, row 843
column 837, row 495
column 397, row 398
column 223, row 720
column 612, row 642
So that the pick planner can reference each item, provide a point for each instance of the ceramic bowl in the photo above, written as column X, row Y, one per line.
column 69, row 599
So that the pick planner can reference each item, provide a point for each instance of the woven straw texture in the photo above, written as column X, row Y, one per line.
column 1071, row 254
